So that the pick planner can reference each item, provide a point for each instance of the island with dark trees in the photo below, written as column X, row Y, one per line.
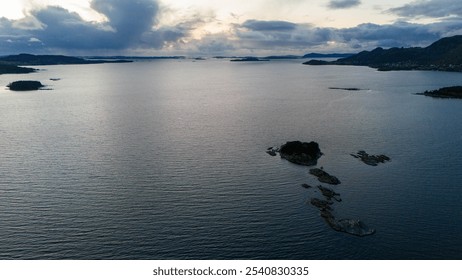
column 25, row 85
column 442, row 55
column 14, row 69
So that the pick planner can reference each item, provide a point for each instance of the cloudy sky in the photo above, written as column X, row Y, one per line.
column 225, row 27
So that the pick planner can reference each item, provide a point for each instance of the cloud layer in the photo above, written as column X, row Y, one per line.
column 430, row 9
column 133, row 26
column 130, row 24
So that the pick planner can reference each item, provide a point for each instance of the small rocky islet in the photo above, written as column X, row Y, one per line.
column 324, row 177
column 307, row 154
column 372, row 160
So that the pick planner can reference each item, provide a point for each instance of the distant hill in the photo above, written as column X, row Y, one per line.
column 30, row 59
column 443, row 55
column 327, row 55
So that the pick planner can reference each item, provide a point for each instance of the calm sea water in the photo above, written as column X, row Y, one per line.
column 166, row 160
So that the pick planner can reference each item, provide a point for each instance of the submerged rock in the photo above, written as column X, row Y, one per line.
column 329, row 193
column 372, row 160
column 306, row 186
column 321, row 204
column 301, row 152
column 272, row 151
column 324, row 177
column 355, row 227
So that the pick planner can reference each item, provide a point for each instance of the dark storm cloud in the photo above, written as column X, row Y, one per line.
column 429, row 8
column 129, row 19
column 63, row 29
column 343, row 4
column 399, row 34
column 130, row 24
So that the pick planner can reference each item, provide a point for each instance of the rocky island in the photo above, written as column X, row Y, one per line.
column 302, row 153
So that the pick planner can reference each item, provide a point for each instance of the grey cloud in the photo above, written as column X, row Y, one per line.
column 343, row 4
column 258, row 25
column 254, row 34
column 130, row 24
column 129, row 19
column 429, row 8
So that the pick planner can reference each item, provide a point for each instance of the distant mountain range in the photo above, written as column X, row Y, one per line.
column 30, row 59
column 327, row 55
column 11, row 64
column 443, row 55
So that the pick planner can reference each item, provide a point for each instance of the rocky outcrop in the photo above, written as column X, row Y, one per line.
column 329, row 194
column 324, row 177
column 350, row 226
column 372, row 160
column 321, row 204
column 308, row 154
column 272, row 151
column 301, row 152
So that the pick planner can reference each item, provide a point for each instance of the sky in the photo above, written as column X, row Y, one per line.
column 225, row 27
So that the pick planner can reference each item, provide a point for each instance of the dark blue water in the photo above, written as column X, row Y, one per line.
column 166, row 160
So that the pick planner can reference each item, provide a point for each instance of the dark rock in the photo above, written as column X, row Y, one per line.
column 301, row 152
column 372, row 160
column 321, row 204
column 348, row 89
column 324, row 177
column 329, row 193
column 306, row 186
column 25, row 85
column 272, row 151
column 354, row 227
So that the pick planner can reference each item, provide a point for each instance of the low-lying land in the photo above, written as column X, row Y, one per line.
column 11, row 64
column 446, row 92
